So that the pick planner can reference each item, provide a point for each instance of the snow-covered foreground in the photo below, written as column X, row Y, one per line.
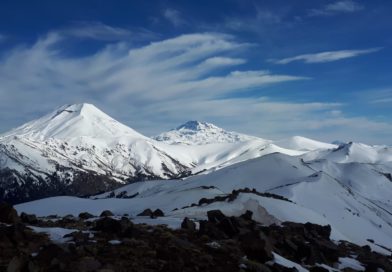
column 353, row 198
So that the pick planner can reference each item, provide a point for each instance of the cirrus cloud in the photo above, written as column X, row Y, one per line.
column 328, row 56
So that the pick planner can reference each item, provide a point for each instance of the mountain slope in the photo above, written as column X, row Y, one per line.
column 321, row 192
column 304, row 144
column 78, row 150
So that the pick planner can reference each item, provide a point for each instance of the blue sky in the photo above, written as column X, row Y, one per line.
column 320, row 69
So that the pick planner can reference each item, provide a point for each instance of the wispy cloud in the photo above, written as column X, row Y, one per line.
column 158, row 85
column 328, row 56
column 338, row 7
column 187, row 68
column 103, row 32
column 2, row 38
column 174, row 17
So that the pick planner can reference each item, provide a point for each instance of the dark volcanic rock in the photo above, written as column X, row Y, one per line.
column 106, row 213
column 215, row 216
column 255, row 247
column 157, row 213
column 188, row 224
column 222, row 243
column 8, row 214
column 108, row 225
column 28, row 218
column 86, row 215
column 146, row 212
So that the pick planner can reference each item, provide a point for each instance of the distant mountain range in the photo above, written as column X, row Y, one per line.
column 79, row 150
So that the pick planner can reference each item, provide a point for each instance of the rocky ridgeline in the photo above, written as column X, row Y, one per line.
column 221, row 243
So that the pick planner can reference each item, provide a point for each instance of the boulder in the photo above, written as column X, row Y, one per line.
column 188, row 224
column 106, row 213
column 146, row 212
column 8, row 214
column 229, row 226
column 255, row 247
column 157, row 213
column 86, row 215
column 108, row 225
column 28, row 218
column 215, row 216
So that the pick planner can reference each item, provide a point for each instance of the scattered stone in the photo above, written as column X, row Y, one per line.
column 86, row 215
column 188, row 224
column 146, row 212
column 223, row 243
column 157, row 213
column 28, row 218
column 106, row 213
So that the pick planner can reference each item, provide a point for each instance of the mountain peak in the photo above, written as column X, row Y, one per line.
column 200, row 133
column 72, row 121
column 197, row 125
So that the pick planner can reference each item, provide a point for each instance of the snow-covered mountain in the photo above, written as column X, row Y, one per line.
column 79, row 150
column 201, row 133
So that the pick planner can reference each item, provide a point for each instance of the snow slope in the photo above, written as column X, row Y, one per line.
column 304, row 144
column 321, row 192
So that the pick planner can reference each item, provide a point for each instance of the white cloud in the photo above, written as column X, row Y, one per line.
column 42, row 76
column 102, row 32
column 328, row 56
column 338, row 7
column 159, row 85
column 174, row 17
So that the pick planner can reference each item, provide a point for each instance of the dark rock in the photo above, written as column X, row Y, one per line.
column 8, row 214
column 323, row 231
column 123, row 227
column 49, row 253
column 28, row 218
column 86, row 215
column 78, row 236
column 158, row 213
column 247, row 215
column 255, row 247
column 188, row 224
column 215, row 216
column 106, row 213
column 146, row 212
column 109, row 225
column 229, row 226
column 211, row 230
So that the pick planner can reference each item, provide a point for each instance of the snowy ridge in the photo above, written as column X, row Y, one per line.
column 201, row 133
